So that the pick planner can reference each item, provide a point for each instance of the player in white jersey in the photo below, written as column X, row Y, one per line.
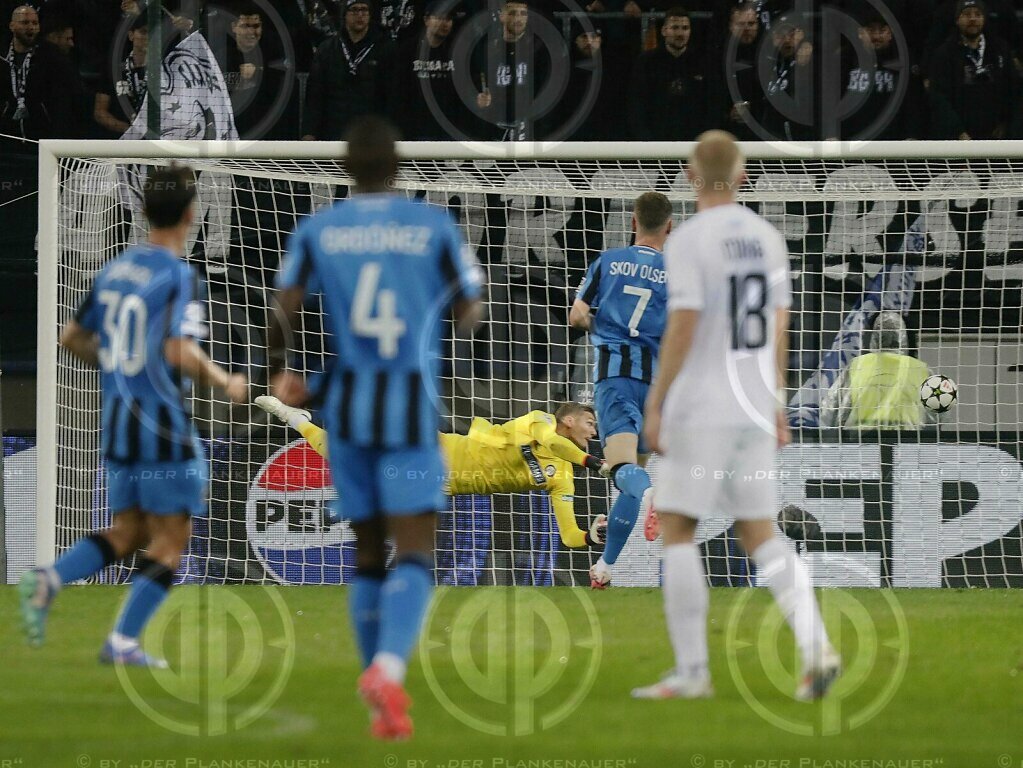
column 715, row 415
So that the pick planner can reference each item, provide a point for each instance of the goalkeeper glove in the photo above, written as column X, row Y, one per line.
column 594, row 464
column 597, row 534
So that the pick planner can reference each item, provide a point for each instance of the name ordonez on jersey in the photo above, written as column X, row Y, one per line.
column 376, row 238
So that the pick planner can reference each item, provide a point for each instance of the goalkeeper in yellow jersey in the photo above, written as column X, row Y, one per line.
column 534, row 452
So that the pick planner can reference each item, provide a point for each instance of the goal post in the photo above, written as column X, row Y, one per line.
column 929, row 231
column 47, row 331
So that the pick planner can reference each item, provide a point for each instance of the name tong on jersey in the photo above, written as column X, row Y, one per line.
column 376, row 238
column 743, row 248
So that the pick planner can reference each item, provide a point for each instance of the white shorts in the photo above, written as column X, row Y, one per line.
column 718, row 471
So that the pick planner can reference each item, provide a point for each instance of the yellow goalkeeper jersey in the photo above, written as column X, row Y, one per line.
column 521, row 455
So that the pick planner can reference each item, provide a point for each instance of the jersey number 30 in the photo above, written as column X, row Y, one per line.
column 124, row 322
column 748, row 300
column 385, row 326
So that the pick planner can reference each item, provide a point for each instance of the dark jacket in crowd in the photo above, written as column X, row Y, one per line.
column 999, row 19
column 517, row 74
column 736, row 83
column 424, row 101
column 591, row 109
column 342, row 87
column 967, row 97
column 790, row 111
column 872, row 105
column 767, row 11
column 49, row 96
column 670, row 98
column 265, row 107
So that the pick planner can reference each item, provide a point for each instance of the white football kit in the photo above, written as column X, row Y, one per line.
column 718, row 429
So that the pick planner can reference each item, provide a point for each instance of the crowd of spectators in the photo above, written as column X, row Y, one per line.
column 535, row 69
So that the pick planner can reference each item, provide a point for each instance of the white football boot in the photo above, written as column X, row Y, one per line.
column 600, row 575
column 675, row 686
column 819, row 678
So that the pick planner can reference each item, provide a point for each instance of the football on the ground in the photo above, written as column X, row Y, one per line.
column 938, row 393
column 798, row 524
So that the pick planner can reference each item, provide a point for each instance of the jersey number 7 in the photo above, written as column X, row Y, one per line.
column 637, row 314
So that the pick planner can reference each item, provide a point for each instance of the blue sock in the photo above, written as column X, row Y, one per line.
column 631, row 479
column 403, row 602
column 364, row 609
column 86, row 557
column 620, row 523
column 148, row 589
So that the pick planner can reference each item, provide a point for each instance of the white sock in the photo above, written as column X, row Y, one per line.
column 122, row 643
column 52, row 579
column 789, row 582
column 295, row 420
column 686, row 598
column 393, row 666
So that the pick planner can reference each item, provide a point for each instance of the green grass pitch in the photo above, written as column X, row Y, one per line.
column 518, row 678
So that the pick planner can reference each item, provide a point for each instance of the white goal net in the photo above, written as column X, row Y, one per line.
column 936, row 240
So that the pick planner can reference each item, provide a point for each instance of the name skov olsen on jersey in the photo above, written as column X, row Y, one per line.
column 632, row 269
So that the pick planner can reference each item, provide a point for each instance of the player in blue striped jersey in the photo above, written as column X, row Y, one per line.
column 139, row 324
column 389, row 270
column 622, row 303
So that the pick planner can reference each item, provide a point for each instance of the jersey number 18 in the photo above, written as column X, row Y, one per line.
column 748, row 300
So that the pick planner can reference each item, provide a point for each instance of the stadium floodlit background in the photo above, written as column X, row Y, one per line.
column 918, row 532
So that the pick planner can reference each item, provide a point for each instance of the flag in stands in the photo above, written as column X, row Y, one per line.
column 195, row 102
column 196, row 105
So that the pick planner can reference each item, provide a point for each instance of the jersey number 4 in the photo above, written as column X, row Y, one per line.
column 748, row 300
column 385, row 326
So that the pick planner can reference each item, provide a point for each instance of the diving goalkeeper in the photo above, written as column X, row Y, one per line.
column 534, row 452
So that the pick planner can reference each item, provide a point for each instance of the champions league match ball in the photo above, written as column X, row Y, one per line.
column 938, row 393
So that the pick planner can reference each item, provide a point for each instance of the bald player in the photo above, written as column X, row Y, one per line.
column 715, row 405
